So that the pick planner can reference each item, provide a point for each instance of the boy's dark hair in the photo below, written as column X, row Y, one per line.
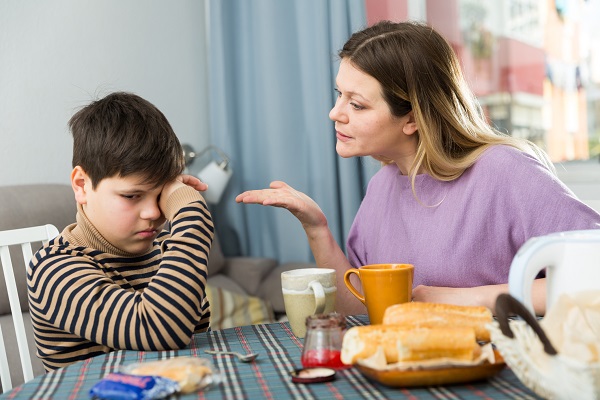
column 123, row 134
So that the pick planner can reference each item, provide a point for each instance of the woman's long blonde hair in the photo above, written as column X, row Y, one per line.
column 418, row 70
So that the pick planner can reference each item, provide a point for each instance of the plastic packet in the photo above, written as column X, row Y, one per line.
column 119, row 386
column 191, row 373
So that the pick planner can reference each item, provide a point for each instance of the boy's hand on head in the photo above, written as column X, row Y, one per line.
column 194, row 182
column 179, row 182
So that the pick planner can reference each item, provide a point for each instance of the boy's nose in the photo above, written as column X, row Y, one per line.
column 151, row 211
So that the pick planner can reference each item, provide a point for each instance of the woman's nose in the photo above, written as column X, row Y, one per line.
column 336, row 113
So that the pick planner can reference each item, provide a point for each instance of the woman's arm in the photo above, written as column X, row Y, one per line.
column 478, row 296
column 325, row 249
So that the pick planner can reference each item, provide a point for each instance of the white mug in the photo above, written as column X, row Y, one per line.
column 307, row 291
column 571, row 259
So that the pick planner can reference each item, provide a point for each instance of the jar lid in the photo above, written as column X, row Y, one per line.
column 313, row 375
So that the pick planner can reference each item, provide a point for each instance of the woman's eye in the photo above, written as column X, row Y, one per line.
column 352, row 104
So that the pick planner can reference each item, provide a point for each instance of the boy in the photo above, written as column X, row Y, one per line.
column 116, row 279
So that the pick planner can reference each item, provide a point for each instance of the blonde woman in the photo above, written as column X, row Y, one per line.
column 454, row 197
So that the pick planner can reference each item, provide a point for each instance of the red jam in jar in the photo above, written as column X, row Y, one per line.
column 322, row 358
column 323, row 341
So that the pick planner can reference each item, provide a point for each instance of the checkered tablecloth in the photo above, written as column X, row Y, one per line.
column 266, row 378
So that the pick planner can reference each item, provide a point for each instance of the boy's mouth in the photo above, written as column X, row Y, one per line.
column 148, row 233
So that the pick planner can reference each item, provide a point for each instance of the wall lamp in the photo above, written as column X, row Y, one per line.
column 216, row 174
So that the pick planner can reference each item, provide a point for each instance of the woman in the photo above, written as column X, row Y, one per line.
column 454, row 197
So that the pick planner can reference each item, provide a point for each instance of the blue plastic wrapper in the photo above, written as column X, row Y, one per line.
column 119, row 386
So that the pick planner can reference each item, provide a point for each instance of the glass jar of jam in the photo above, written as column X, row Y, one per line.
column 323, row 341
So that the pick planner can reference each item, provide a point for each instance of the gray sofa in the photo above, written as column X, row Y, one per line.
column 31, row 205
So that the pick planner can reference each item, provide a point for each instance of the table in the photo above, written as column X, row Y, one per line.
column 266, row 378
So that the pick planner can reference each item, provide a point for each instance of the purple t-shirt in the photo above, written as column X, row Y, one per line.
column 463, row 233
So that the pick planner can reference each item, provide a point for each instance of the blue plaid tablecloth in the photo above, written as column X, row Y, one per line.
column 266, row 378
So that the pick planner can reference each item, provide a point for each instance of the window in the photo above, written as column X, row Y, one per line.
column 534, row 66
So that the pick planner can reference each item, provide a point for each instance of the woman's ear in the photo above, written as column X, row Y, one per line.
column 410, row 126
column 79, row 179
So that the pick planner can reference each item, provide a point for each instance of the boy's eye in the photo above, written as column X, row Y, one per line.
column 129, row 196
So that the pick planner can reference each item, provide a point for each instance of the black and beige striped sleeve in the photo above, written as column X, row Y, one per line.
column 152, row 302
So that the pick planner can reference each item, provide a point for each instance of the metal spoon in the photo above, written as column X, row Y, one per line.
column 242, row 357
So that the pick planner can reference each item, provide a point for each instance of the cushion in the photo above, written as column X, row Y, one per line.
column 30, row 205
column 225, row 282
column 229, row 309
column 249, row 272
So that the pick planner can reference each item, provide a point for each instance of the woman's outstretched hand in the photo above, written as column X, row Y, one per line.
column 325, row 249
column 282, row 195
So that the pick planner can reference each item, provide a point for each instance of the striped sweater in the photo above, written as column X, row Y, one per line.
column 87, row 297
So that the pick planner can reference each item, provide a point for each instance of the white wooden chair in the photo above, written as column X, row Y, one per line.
column 18, row 237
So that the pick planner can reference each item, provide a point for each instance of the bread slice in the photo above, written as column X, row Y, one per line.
column 188, row 372
column 400, row 343
column 436, row 315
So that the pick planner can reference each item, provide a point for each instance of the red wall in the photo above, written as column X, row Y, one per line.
column 393, row 10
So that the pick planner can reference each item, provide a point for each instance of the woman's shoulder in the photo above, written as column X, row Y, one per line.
column 505, row 153
column 510, row 170
column 511, row 160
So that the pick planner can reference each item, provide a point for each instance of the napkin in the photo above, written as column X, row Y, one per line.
column 573, row 325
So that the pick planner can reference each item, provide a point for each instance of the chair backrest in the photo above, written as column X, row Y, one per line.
column 18, row 237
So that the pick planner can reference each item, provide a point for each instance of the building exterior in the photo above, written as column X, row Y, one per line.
column 526, row 60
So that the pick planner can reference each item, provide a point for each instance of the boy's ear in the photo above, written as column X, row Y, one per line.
column 79, row 179
column 410, row 127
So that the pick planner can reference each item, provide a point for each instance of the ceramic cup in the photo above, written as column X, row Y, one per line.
column 383, row 285
column 307, row 291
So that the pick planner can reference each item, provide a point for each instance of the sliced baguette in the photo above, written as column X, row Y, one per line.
column 435, row 315
column 406, row 344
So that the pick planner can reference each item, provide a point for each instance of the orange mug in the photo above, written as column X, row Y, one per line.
column 383, row 285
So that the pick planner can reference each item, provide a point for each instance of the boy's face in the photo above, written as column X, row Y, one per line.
column 124, row 210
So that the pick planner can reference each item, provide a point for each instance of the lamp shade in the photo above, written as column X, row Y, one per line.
column 216, row 176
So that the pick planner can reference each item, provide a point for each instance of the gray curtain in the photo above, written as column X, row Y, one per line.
column 272, row 70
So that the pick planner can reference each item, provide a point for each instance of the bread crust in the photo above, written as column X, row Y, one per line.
column 400, row 343
column 436, row 315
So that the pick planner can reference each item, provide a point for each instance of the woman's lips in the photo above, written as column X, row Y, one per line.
column 342, row 137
